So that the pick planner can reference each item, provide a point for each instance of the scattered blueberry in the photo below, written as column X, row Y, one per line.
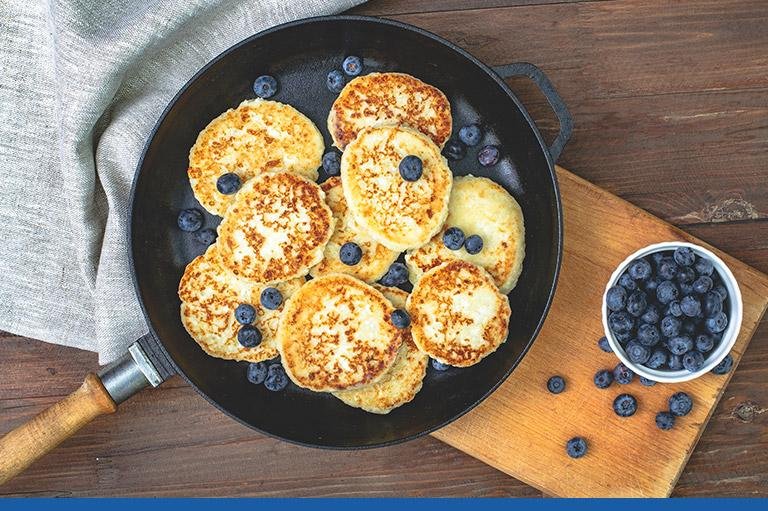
column 670, row 326
column 648, row 335
column 576, row 447
column 721, row 292
column 691, row 306
column 623, row 374
column 667, row 268
column 651, row 315
column 396, row 275
column 488, row 155
column 332, row 163
column 228, row 183
column 350, row 253
column 276, row 379
column 271, row 298
column 674, row 309
column 616, row 298
column 352, row 65
column 716, row 323
column 680, row 345
column 637, row 303
column 453, row 238
column 645, row 382
column 603, row 379
column 625, row 405
column 439, row 366
column 712, row 304
column 620, row 322
column 265, row 86
column 680, row 404
column 665, row 420
column 724, row 367
column 684, row 256
column 674, row 362
column 704, row 267
column 666, row 291
column 411, row 168
column 704, row 343
column 471, row 134
column 556, row 384
column 686, row 275
column 335, row 81
column 473, row 244
column 627, row 283
column 400, row 319
column 693, row 360
column 206, row 236
column 657, row 359
column 604, row 345
column 637, row 353
column 245, row 314
column 640, row 270
column 454, row 150
column 702, row 285
column 257, row 372
column 190, row 220
column 249, row 336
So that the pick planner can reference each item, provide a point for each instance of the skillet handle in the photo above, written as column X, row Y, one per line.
column 554, row 99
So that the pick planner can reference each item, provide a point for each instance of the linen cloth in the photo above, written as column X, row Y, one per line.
column 82, row 83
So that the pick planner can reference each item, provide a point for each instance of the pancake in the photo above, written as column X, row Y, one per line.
column 397, row 213
column 335, row 333
column 376, row 257
column 478, row 206
column 209, row 296
column 255, row 137
column 381, row 99
column 402, row 382
column 457, row 314
column 276, row 229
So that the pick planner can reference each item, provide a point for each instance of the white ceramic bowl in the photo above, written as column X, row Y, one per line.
column 729, row 335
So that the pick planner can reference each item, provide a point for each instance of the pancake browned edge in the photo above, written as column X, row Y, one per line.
column 458, row 316
column 404, row 379
column 376, row 258
column 257, row 136
column 276, row 229
column 478, row 206
column 209, row 296
column 335, row 333
column 380, row 99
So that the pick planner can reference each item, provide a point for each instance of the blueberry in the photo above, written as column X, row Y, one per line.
column 650, row 286
column 623, row 374
column 439, row 366
column 471, row 134
column 473, row 244
column 576, row 447
column 627, row 283
column 637, row 353
column 716, row 323
column 265, row 86
column 667, row 268
column 680, row 404
column 257, row 372
column 245, row 314
column 276, row 379
column 712, row 304
column 693, row 360
column 704, row 267
column 396, row 275
column 637, row 303
column 190, row 220
column 410, row 168
column 651, row 315
column 249, row 336
column 724, row 367
column 691, row 306
column 640, row 269
column 453, row 238
column 352, row 65
column 686, row 288
column 332, row 163
column 674, row 309
column 648, row 335
column 684, row 256
column 335, row 81
column 400, row 319
column 271, row 298
column 657, row 258
column 454, row 150
column 603, row 344
column 622, row 337
column 645, row 382
column 556, row 384
column 689, row 328
column 666, row 292
column 621, row 322
column 702, row 284
column 679, row 345
column 665, row 420
column 228, row 183
column 206, row 236
column 704, row 343
column 350, row 253
column 675, row 362
column 721, row 292
column 625, row 405
column 616, row 298
column 670, row 326
column 603, row 379
column 657, row 359
column 686, row 275
column 488, row 155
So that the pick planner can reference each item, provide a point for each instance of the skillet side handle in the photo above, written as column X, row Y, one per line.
column 31, row 441
column 557, row 104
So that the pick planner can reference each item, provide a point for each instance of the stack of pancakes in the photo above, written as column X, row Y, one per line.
column 334, row 331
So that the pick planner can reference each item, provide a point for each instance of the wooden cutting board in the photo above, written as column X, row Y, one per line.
column 522, row 429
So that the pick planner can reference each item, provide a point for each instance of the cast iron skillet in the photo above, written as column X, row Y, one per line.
column 300, row 54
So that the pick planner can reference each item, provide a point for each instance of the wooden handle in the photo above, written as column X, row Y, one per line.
column 30, row 441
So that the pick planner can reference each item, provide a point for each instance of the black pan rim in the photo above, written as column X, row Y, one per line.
column 404, row 26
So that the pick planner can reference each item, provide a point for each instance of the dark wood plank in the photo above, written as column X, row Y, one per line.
column 398, row 7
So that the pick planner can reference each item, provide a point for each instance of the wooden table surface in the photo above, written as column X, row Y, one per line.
column 670, row 101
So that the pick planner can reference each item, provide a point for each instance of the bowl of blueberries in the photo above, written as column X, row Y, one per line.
column 672, row 311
